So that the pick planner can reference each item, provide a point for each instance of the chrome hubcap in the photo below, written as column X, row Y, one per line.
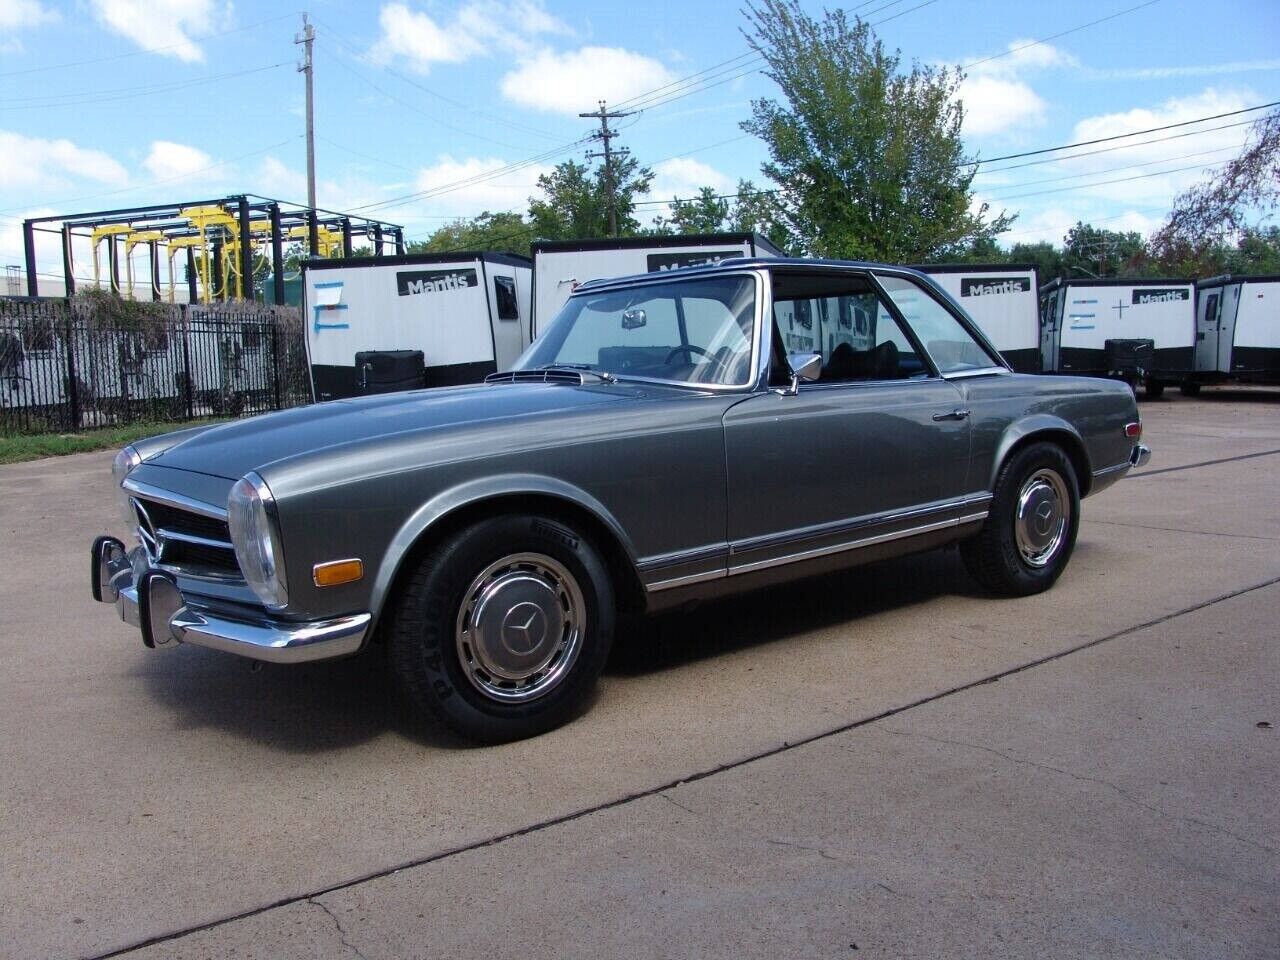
column 519, row 630
column 1043, row 517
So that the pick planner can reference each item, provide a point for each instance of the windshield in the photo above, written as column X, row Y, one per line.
column 694, row 331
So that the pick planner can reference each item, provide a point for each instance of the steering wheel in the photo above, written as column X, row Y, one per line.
column 689, row 349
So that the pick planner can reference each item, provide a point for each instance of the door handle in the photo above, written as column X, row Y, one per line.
column 958, row 413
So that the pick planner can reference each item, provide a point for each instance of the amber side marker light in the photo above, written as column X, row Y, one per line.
column 1133, row 431
column 337, row 572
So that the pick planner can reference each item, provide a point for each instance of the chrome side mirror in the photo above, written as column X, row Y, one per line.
column 805, row 367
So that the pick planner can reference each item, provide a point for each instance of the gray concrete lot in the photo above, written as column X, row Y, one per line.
column 846, row 784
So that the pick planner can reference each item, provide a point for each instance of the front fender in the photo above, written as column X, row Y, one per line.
column 475, row 491
column 1039, row 423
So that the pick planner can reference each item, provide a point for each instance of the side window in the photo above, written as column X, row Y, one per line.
column 843, row 319
column 950, row 345
column 504, row 289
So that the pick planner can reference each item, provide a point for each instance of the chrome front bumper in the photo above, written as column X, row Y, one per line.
column 153, row 603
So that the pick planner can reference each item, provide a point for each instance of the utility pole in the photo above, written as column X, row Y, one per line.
column 307, row 38
column 609, row 155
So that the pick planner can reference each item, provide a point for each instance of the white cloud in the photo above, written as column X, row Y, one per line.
column 477, row 28
column 168, row 160
column 683, row 177
column 1184, row 70
column 572, row 82
column 996, row 94
column 1198, row 151
column 31, row 162
column 994, row 104
column 24, row 14
column 495, row 193
column 167, row 27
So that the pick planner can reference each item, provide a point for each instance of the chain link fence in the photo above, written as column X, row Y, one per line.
column 68, row 365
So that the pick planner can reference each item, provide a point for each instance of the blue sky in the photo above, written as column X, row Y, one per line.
column 107, row 103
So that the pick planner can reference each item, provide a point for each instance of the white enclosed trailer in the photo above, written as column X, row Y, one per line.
column 1237, row 331
column 468, row 313
column 1097, row 327
column 1003, row 300
column 559, row 266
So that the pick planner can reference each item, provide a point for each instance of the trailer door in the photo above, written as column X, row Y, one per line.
column 1207, row 331
column 1227, row 311
column 1050, row 318
column 504, row 308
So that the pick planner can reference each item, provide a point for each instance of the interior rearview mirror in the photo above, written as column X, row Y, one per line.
column 633, row 318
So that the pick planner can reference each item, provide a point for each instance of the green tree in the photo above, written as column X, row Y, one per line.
column 574, row 203
column 705, row 213
column 867, row 156
column 1207, row 217
column 1089, row 251
column 1044, row 255
column 507, row 232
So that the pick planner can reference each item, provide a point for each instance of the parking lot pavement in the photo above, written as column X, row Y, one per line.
column 146, row 794
column 1115, row 802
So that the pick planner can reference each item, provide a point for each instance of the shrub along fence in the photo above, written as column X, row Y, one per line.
column 97, row 360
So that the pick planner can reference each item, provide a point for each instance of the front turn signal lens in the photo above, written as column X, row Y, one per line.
column 337, row 572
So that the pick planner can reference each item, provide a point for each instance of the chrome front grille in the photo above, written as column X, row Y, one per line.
column 186, row 541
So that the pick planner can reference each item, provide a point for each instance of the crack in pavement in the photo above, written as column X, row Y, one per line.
column 1124, row 794
column 764, row 754
column 1201, row 533
column 342, row 934
column 673, row 800
column 818, row 850
column 1203, row 463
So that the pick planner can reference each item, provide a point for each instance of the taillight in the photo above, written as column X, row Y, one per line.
column 1133, row 431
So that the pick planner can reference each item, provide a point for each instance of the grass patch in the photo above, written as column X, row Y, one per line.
column 15, row 449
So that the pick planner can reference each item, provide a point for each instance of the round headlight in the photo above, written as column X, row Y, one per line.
column 124, row 463
column 251, row 516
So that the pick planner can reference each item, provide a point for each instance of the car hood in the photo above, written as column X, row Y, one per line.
column 233, row 449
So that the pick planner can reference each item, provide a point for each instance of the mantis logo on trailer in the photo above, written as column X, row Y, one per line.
column 413, row 282
column 989, row 286
column 1164, row 295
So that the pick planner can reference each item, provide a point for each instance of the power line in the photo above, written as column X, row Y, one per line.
column 156, row 183
column 1131, row 166
column 364, row 59
column 145, row 50
column 1103, row 183
column 1125, row 146
column 129, row 93
column 1055, row 36
column 1122, row 136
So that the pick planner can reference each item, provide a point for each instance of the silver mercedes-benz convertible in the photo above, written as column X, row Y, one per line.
column 666, row 438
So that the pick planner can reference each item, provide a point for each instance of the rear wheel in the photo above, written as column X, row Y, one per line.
column 502, row 631
column 1027, row 539
column 1190, row 388
column 1155, row 389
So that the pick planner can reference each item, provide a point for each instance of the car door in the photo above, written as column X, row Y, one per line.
column 877, row 449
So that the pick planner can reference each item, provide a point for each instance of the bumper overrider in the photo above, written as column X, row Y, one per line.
column 1140, row 456
column 150, row 599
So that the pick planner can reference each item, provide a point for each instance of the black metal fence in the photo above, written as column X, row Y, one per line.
column 64, row 367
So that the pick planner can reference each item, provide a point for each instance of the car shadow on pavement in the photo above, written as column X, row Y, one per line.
column 321, row 707
column 710, row 629
column 300, row 708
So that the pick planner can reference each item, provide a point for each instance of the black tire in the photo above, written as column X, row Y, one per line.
column 426, row 638
column 1189, row 388
column 1155, row 389
column 993, row 556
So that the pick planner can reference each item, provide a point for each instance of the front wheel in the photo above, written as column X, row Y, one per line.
column 1027, row 539
column 502, row 631
column 1155, row 388
column 1190, row 388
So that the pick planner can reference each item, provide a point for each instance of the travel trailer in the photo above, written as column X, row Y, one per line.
column 559, row 266
column 1237, row 331
column 1140, row 331
column 1002, row 299
column 415, row 320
